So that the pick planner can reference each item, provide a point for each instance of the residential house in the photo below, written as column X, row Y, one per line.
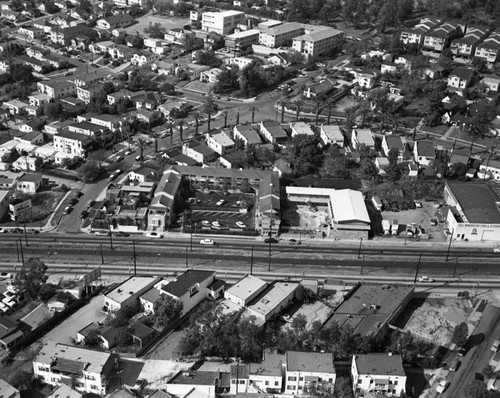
column 461, row 77
column 362, row 137
column 380, row 374
column 64, row 391
column 273, row 132
column 492, row 82
column 64, row 36
column 56, row 90
column 301, row 128
column 366, row 80
column 140, row 175
column 318, row 89
column 10, row 332
column 219, row 142
column 439, row 38
column 268, row 375
column 424, row 152
column 30, row 33
column 119, row 95
column 148, row 100
column 148, row 116
column 162, row 206
column 126, row 295
column 89, row 371
column 199, row 152
column 247, row 134
column 210, row 76
column 489, row 49
column 304, row 370
column 466, row 46
column 116, row 21
column 280, row 59
column 30, row 126
column 142, row 334
column 71, row 143
column 86, row 93
column 25, row 163
column 142, row 58
column 7, row 391
column 241, row 62
column 331, row 135
column 29, row 183
column 393, row 141
column 388, row 67
column 39, row 99
column 15, row 107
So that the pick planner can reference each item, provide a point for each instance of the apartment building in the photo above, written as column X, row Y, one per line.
column 466, row 46
column 87, row 370
column 219, row 142
column 439, row 38
column 489, row 49
column 416, row 34
column 74, row 144
column 241, row 41
column 223, row 22
column 307, row 369
column 318, row 42
column 379, row 374
column 126, row 295
column 56, row 90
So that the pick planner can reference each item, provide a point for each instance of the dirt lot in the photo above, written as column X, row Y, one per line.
column 434, row 319
column 146, row 20
column 419, row 216
column 345, row 103
column 302, row 217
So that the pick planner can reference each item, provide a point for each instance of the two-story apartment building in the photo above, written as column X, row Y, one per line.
column 219, row 142
column 199, row 152
column 307, row 369
column 380, row 374
column 87, row 370
column 126, row 294
column 465, row 47
column 416, row 34
column 56, row 90
column 241, row 41
column 273, row 132
column 439, row 38
column 489, row 49
column 71, row 143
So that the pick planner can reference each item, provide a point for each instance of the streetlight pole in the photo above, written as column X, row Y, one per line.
column 25, row 236
column 22, row 252
column 359, row 250
column 135, row 258
column 449, row 245
column 111, row 239
column 418, row 267
column 102, row 254
column 251, row 262
column 17, row 251
column 187, row 266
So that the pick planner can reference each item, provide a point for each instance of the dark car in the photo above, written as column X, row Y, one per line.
column 84, row 214
column 16, row 231
column 121, row 234
column 271, row 240
column 32, row 231
column 91, row 203
column 73, row 201
column 79, row 194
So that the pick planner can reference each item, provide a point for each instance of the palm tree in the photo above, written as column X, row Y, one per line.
column 282, row 103
column 209, row 121
column 225, row 112
column 298, row 104
column 318, row 107
column 141, row 143
column 253, row 109
column 238, row 117
column 491, row 150
column 170, row 125
column 364, row 110
column 329, row 103
column 196, row 116
column 180, row 124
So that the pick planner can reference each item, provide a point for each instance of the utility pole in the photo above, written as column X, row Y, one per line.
column 251, row 262
column 449, row 245
column 17, row 251
column 26, row 236
column 22, row 252
column 111, row 239
column 135, row 258
column 418, row 267
column 187, row 266
column 456, row 265
column 359, row 250
column 102, row 254
column 191, row 239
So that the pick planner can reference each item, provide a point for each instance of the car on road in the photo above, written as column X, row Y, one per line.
column 209, row 242
column 32, row 231
column 241, row 224
column 115, row 174
column 216, row 224
column 3, row 231
column 16, row 231
column 6, row 275
column 294, row 242
column 454, row 364
column 102, row 233
column 221, row 202
column 84, row 214
column 138, row 157
column 496, row 249
column 128, row 152
column 73, row 201
column 271, row 240
column 205, row 223
column 121, row 234
column 79, row 194
column 90, row 204
column 153, row 235
column 442, row 386
column 67, row 210
column 119, row 158
column 425, row 279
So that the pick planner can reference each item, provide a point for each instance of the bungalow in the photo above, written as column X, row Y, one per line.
column 301, row 128
column 219, row 142
column 424, row 152
column 331, row 135
column 141, row 58
column 461, row 77
column 32, row 138
column 318, row 89
column 148, row 116
column 29, row 126
column 362, row 137
column 211, row 75
column 148, row 100
column 393, row 141
column 247, row 134
column 492, row 82
column 272, row 132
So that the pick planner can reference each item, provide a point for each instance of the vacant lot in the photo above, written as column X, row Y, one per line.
column 148, row 19
column 434, row 319
column 302, row 217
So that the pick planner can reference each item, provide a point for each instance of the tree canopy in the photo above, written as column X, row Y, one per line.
column 31, row 277
column 167, row 309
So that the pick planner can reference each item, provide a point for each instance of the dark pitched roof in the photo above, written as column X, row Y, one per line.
column 463, row 73
column 379, row 364
column 183, row 283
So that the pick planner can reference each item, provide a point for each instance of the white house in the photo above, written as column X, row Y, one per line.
column 211, row 75
column 269, row 374
column 307, row 369
column 301, row 128
column 460, row 77
column 247, row 134
column 273, row 132
column 378, row 374
column 219, row 142
column 330, row 135
column 362, row 137
column 74, row 144
column 424, row 152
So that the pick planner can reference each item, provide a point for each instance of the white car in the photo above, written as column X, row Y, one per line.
column 216, row 224
column 241, row 224
column 154, row 235
column 128, row 152
column 442, row 386
column 3, row 307
column 496, row 249
column 102, row 233
column 3, row 231
column 209, row 242
column 206, row 223
column 221, row 202
column 425, row 278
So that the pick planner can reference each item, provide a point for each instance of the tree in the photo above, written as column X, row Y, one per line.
column 89, row 171
column 167, row 309
column 297, row 103
column 196, row 116
column 137, row 41
column 124, row 337
column 343, row 388
column 93, row 338
column 53, row 110
column 393, row 171
column 305, row 154
column 31, row 277
column 47, row 291
column 282, row 104
column 460, row 335
column 170, row 125
column 180, row 124
column 253, row 109
column 209, row 108
column 477, row 389
column 227, row 81
column 225, row 113
column 141, row 143
column 122, row 317
column 318, row 107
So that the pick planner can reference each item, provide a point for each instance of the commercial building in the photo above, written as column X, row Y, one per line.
column 307, row 369
column 223, row 22
column 272, row 301
column 241, row 41
column 367, row 309
column 245, row 290
column 318, row 42
column 127, row 294
column 281, row 35
column 87, row 370
column 380, row 374
column 474, row 212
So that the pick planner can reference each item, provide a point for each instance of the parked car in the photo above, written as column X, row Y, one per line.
column 119, row 158
column 6, row 275
column 3, row 231
column 241, row 224
column 425, row 279
column 121, row 234
column 454, row 365
column 205, row 223
column 84, row 214
column 16, row 231
column 496, row 249
column 216, row 224
column 102, row 233
column 442, row 386
column 207, row 242
column 138, row 157
column 90, row 204
column 294, row 242
column 271, row 240
column 128, row 152
column 67, row 210
column 221, row 202
column 32, row 231
column 154, row 235
column 433, row 221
